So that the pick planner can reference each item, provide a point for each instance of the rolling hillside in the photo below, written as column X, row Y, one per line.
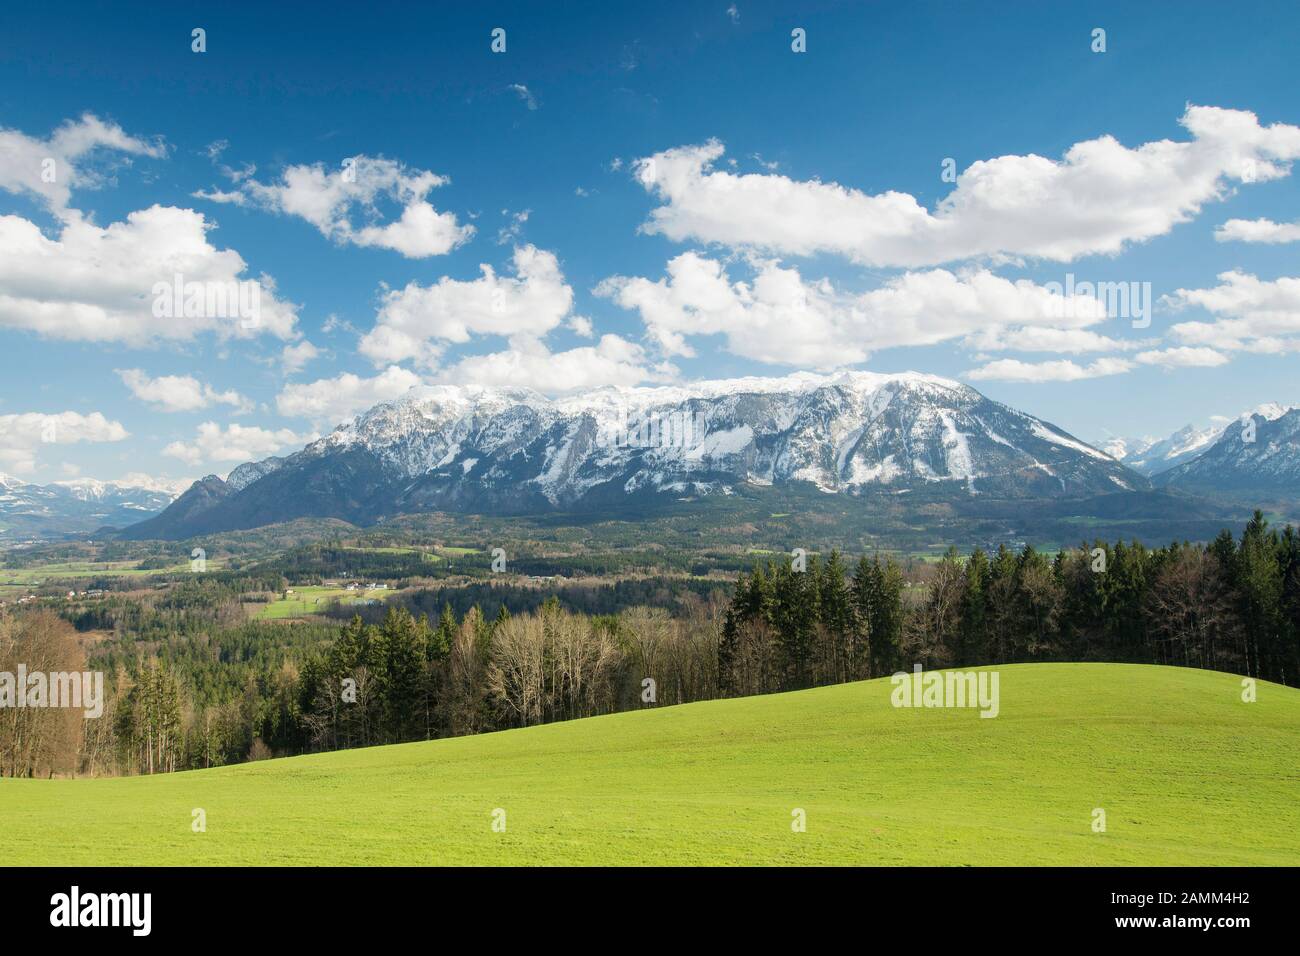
column 1187, row 774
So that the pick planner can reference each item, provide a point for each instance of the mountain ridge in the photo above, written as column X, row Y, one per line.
column 79, row 506
column 510, row 450
column 1153, row 456
column 1256, row 455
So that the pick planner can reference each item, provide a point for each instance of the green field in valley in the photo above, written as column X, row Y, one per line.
column 1186, row 772
column 88, row 569
column 427, row 554
column 305, row 601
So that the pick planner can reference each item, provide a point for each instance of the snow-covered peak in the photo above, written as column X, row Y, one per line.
column 510, row 450
column 797, row 383
column 1270, row 411
column 74, row 505
column 1154, row 456
column 94, row 489
column 428, row 426
column 837, row 431
column 1123, row 448
column 86, row 489
column 434, row 403
column 1246, row 461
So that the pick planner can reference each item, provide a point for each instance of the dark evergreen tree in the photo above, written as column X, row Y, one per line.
column 836, row 619
column 974, row 648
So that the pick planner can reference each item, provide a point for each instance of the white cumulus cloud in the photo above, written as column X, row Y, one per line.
column 331, row 199
column 1183, row 357
column 107, row 284
column 22, row 435
column 779, row 317
column 1040, row 339
column 529, row 363
column 1062, row 370
column 334, row 400
column 1258, row 230
column 180, row 393
column 295, row 357
column 1099, row 197
column 53, row 167
column 238, row 443
column 417, row 322
column 1251, row 314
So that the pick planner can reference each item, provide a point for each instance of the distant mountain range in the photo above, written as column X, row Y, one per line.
column 513, row 451
column 1151, row 456
column 31, row 511
column 1257, row 455
column 1259, row 462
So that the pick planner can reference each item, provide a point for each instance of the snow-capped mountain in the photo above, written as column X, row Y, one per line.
column 1152, row 456
column 1122, row 448
column 92, row 489
column 30, row 511
column 1258, row 453
column 247, row 473
column 512, row 450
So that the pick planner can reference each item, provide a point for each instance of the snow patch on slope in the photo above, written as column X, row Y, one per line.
column 1057, row 438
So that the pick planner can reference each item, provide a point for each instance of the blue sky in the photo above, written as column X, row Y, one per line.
column 774, row 267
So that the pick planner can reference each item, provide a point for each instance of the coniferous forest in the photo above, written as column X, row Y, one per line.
column 195, row 688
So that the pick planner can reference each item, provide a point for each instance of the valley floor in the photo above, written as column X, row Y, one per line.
column 1186, row 773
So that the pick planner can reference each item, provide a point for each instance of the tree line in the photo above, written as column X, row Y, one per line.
column 245, row 694
column 1230, row 605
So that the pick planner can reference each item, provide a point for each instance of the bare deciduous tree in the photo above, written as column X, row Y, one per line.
column 517, row 672
column 44, row 740
column 467, row 666
column 1188, row 608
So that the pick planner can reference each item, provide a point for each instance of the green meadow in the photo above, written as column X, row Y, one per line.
column 426, row 553
column 87, row 569
column 306, row 601
column 1186, row 772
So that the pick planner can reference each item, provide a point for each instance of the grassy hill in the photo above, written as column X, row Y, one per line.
column 1186, row 772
